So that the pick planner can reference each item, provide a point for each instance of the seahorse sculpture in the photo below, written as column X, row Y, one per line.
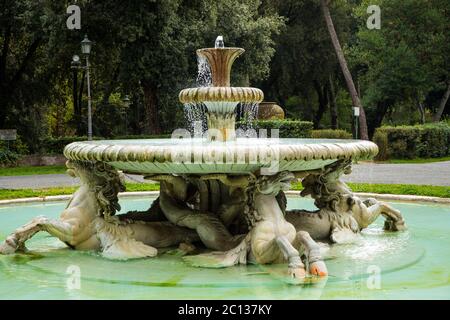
column 89, row 223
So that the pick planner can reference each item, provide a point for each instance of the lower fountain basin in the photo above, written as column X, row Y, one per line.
column 410, row 265
column 200, row 156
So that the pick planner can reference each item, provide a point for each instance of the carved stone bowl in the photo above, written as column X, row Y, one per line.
column 222, row 94
column 199, row 156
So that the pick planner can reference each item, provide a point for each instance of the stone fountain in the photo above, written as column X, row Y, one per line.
column 222, row 196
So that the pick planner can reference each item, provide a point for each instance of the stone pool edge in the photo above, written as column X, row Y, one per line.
column 386, row 197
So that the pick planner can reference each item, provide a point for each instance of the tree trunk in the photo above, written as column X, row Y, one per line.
column 333, row 106
column 80, row 131
column 421, row 109
column 347, row 75
column 437, row 116
column 323, row 102
column 7, row 87
column 3, row 106
column 380, row 113
column 151, row 125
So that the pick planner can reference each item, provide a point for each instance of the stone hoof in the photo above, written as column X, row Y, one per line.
column 318, row 268
column 9, row 246
column 391, row 225
column 297, row 272
column 186, row 248
column 370, row 202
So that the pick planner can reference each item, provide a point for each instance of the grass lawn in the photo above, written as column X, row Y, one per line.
column 406, row 189
column 432, row 191
column 31, row 193
column 29, row 171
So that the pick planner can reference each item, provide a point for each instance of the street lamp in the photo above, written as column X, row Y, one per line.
column 86, row 46
column 126, row 101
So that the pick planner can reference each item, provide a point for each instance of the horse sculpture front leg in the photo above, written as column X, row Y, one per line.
column 394, row 219
column 316, row 266
column 272, row 228
column 16, row 241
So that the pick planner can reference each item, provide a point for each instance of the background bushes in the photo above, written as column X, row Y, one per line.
column 11, row 151
column 331, row 134
column 51, row 146
column 409, row 142
column 288, row 128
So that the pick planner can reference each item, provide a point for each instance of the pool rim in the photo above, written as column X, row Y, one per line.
column 378, row 196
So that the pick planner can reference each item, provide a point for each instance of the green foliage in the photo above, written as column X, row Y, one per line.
column 31, row 170
column 409, row 142
column 405, row 62
column 431, row 191
column 331, row 134
column 304, row 58
column 41, row 193
column 288, row 128
column 11, row 151
column 8, row 157
column 57, row 145
column 405, row 189
column 146, row 49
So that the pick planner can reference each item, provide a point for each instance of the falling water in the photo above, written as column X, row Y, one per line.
column 195, row 117
column 248, row 113
column 195, row 113
column 204, row 77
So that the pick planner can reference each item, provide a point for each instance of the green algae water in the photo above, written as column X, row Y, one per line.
column 380, row 265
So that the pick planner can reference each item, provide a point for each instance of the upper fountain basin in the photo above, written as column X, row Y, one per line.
column 220, row 61
column 223, row 94
column 200, row 156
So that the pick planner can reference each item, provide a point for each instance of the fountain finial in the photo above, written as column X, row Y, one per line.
column 219, row 43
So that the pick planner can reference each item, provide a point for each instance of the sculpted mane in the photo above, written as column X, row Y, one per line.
column 106, row 183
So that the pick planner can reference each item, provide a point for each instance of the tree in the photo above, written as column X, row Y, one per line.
column 345, row 70
column 406, row 61
column 161, row 37
column 304, row 60
column 437, row 116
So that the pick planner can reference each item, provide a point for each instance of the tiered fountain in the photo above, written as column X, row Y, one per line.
column 219, row 192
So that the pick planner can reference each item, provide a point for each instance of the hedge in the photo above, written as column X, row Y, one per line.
column 331, row 134
column 288, row 128
column 409, row 142
column 56, row 145
column 11, row 151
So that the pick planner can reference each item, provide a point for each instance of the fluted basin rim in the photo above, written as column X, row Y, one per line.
column 223, row 94
column 157, row 155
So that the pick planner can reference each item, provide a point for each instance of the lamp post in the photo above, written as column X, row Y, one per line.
column 75, row 65
column 356, row 116
column 126, row 101
column 86, row 46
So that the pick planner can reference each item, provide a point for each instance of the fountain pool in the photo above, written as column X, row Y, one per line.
column 413, row 265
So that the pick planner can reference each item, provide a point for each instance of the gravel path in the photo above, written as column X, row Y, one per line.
column 436, row 173
column 48, row 181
